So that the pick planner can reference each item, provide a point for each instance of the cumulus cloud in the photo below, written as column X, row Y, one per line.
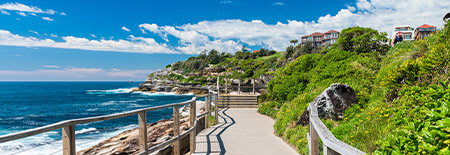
column 62, row 14
column 230, row 35
column 4, row 12
column 25, row 8
column 382, row 15
column 47, row 19
column 55, row 73
column 137, row 45
column 126, row 29
column 93, row 36
column 150, row 27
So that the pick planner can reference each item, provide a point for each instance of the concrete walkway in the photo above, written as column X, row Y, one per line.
column 241, row 131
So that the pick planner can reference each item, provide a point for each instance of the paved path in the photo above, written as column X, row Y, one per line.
column 241, row 131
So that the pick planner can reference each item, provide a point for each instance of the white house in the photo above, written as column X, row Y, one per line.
column 408, row 32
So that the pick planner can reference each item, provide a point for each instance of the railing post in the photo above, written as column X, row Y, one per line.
column 192, row 118
column 253, row 81
column 142, row 117
column 314, row 144
column 239, row 86
column 328, row 151
column 226, row 86
column 216, row 107
column 207, row 108
column 68, row 139
column 176, row 129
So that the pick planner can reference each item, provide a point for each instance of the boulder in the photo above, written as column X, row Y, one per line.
column 331, row 103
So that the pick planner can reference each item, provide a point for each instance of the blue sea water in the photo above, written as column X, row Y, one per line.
column 27, row 105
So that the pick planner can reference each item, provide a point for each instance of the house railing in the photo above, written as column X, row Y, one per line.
column 68, row 126
column 331, row 145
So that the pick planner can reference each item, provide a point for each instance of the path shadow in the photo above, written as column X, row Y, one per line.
column 227, row 122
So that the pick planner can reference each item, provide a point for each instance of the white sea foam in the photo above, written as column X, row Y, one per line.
column 112, row 91
column 108, row 103
column 84, row 130
column 160, row 93
column 44, row 144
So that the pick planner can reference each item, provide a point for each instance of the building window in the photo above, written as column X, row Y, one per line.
column 407, row 36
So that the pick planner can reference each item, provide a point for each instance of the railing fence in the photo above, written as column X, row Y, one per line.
column 68, row 126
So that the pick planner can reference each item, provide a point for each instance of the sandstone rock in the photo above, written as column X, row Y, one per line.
column 331, row 103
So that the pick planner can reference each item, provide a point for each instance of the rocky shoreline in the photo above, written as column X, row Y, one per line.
column 127, row 142
column 163, row 81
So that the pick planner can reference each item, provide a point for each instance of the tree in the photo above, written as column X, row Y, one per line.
column 289, row 51
column 214, row 57
column 244, row 49
column 362, row 40
column 293, row 42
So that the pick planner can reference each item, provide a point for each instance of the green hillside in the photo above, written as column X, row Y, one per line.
column 403, row 97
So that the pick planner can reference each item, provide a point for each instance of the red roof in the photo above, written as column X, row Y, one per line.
column 426, row 26
column 331, row 31
column 314, row 34
column 255, row 51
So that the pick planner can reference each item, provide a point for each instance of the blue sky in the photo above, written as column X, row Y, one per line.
column 54, row 40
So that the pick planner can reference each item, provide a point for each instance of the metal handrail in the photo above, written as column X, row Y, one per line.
column 68, row 126
column 331, row 145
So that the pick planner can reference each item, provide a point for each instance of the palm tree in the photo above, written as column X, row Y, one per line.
column 293, row 42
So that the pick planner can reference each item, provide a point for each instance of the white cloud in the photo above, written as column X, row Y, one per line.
column 47, row 19
column 137, row 45
column 4, row 12
column 25, row 8
column 382, row 15
column 93, row 36
column 278, row 3
column 225, row 2
column 33, row 14
column 50, row 66
column 33, row 32
column 21, row 14
column 73, row 74
column 126, row 29
column 150, row 27
column 63, row 14
column 53, row 35
column 363, row 5
column 230, row 35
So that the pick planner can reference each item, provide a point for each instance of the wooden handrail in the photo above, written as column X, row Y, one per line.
column 331, row 145
column 68, row 127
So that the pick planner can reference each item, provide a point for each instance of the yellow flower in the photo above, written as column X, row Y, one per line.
column 386, row 115
column 365, row 132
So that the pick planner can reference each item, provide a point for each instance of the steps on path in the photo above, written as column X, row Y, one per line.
column 238, row 101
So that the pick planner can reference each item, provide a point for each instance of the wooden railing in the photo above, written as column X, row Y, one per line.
column 331, row 145
column 68, row 126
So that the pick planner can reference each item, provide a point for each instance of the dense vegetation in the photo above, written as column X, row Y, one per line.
column 403, row 97
column 243, row 64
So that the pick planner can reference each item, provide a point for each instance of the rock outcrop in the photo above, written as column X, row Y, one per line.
column 331, row 103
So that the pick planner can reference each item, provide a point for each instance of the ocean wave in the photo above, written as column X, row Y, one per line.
column 84, row 130
column 161, row 93
column 45, row 144
column 108, row 103
column 112, row 91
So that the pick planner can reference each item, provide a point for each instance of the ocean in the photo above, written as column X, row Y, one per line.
column 27, row 105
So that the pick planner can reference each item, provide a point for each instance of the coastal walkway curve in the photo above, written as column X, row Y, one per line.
column 241, row 131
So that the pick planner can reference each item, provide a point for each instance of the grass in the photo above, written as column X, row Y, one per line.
column 276, row 55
